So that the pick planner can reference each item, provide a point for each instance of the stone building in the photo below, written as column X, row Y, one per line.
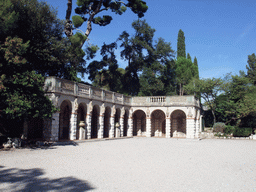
column 108, row 114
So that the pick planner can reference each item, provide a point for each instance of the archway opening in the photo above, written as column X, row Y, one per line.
column 158, row 123
column 139, row 123
column 106, row 122
column 126, row 115
column 95, row 121
column 64, row 120
column 81, row 116
column 117, row 120
column 178, row 124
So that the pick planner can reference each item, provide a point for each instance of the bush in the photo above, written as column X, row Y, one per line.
column 219, row 127
column 242, row 132
column 229, row 129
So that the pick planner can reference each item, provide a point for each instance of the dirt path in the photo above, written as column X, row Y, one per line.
column 137, row 164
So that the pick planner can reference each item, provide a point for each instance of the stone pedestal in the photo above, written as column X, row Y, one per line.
column 82, row 133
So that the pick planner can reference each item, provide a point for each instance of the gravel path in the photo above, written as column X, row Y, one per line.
column 135, row 164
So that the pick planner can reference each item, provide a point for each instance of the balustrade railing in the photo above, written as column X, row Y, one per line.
column 53, row 84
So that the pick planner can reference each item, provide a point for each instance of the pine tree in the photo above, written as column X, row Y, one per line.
column 181, row 48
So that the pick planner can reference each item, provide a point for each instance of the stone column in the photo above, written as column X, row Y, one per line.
column 73, row 126
column 190, row 128
column 168, row 127
column 54, row 134
column 101, row 126
column 89, row 127
column 112, row 127
column 121, row 121
column 148, row 127
column 130, row 127
column 197, row 128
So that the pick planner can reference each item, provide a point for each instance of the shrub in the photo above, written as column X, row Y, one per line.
column 219, row 127
column 242, row 132
column 229, row 129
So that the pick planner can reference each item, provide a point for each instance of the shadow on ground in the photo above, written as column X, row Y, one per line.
column 32, row 180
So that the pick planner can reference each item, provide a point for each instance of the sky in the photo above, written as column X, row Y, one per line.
column 219, row 33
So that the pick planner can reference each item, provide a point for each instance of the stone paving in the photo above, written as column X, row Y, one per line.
column 132, row 164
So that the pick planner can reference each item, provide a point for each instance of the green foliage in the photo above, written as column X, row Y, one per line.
column 77, row 21
column 242, row 132
column 181, row 47
column 185, row 71
column 77, row 39
column 189, row 57
column 251, row 68
column 229, row 129
column 208, row 89
column 219, row 127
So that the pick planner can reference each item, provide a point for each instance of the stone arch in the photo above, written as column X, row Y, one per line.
column 178, row 123
column 106, row 122
column 81, row 116
column 126, row 116
column 117, row 120
column 64, row 120
column 139, row 123
column 95, row 121
column 158, row 123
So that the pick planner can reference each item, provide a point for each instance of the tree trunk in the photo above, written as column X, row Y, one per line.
column 68, row 25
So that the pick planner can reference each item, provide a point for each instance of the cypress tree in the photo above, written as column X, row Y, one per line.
column 181, row 49
column 189, row 57
column 196, row 65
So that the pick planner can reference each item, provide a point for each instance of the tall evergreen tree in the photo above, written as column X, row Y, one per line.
column 251, row 68
column 181, row 47
column 189, row 57
column 197, row 69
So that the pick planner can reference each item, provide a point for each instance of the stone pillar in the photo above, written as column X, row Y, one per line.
column 148, row 127
column 73, row 126
column 89, row 127
column 54, row 136
column 168, row 127
column 130, row 127
column 121, row 126
column 190, row 128
column 112, row 127
column 197, row 128
column 101, row 126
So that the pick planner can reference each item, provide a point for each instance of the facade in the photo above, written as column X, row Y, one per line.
column 107, row 114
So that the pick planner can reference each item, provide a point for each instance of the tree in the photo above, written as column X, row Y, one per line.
column 189, row 57
column 196, row 65
column 208, row 89
column 251, row 68
column 185, row 71
column 87, row 11
column 241, row 99
column 181, row 47
column 31, row 47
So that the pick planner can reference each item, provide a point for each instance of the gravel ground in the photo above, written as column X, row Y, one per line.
column 135, row 164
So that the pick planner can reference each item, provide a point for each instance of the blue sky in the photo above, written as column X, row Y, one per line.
column 220, row 33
